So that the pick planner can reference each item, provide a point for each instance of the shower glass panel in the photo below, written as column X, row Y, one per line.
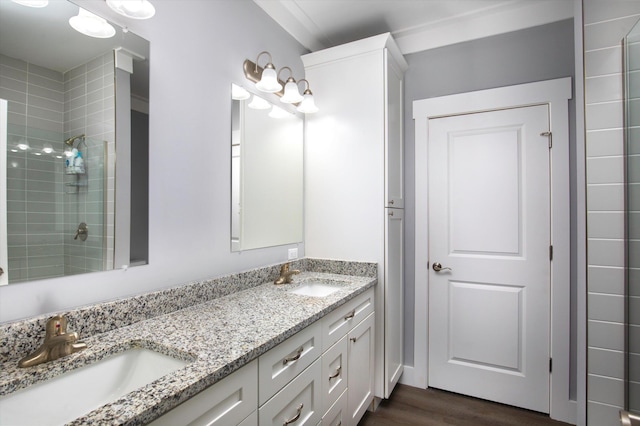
column 48, row 199
column 632, row 127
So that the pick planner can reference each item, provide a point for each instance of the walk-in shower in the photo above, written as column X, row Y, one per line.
column 631, row 415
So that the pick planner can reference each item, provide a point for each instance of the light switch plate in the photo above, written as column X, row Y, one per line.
column 293, row 253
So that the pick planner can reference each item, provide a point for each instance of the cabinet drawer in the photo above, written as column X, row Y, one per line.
column 251, row 420
column 336, row 324
column 227, row 402
column 337, row 415
column 298, row 403
column 334, row 373
column 284, row 362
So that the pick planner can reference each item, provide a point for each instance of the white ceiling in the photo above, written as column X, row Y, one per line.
column 415, row 24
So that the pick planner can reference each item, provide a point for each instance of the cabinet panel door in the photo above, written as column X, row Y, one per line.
column 394, row 155
column 298, row 403
column 334, row 373
column 394, row 300
column 251, row 420
column 337, row 415
column 336, row 324
column 227, row 402
column 361, row 359
column 284, row 362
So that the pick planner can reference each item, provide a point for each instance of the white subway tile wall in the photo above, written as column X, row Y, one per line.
column 605, row 25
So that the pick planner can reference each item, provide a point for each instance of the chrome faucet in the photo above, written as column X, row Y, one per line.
column 57, row 343
column 285, row 274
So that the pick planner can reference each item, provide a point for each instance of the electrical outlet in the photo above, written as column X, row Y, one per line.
column 293, row 253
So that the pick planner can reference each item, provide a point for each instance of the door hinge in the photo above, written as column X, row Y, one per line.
column 550, row 365
column 550, row 136
column 550, row 253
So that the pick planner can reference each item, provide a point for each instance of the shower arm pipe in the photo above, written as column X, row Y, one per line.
column 72, row 140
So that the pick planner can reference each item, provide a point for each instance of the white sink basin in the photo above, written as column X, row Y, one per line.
column 77, row 392
column 315, row 289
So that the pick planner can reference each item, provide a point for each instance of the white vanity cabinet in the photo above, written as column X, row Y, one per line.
column 354, row 164
column 322, row 375
column 231, row 401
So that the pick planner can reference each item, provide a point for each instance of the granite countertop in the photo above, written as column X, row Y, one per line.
column 218, row 337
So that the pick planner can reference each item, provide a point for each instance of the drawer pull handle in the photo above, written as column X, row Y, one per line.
column 293, row 358
column 294, row 418
column 351, row 315
column 337, row 373
column 353, row 339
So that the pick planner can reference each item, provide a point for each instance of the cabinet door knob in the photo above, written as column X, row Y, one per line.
column 353, row 339
column 294, row 418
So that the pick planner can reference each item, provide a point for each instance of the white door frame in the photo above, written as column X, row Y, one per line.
column 556, row 94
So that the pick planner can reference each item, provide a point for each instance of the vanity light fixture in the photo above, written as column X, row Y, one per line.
column 239, row 93
column 258, row 103
column 135, row 9
column 91, row 25
column 269, row 80
column 32, row 3
column 291, row 93
column 47, row 148
column 277, row 112
column 308, row 105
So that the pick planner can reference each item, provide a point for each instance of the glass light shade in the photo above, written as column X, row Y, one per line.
column 291, row 93
column 258, row 103
column 23, row 145
column 47, row 148
column 91, row 25
column 32, row 3
column 277, row 112
column 308, row 105
column 269, row 81
column 239, row 93
column 136, row 9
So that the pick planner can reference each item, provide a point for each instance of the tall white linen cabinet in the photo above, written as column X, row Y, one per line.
column 354, row 206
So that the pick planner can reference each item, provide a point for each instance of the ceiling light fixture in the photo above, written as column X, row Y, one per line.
column 91, row 25
column 135, row 9
column 32, row 3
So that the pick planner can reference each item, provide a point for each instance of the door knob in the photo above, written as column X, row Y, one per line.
column 438, row 267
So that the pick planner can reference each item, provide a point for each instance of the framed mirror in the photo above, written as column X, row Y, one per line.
column 267, row 172
column 60, row 139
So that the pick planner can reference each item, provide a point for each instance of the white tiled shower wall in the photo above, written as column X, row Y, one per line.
column 605, row 25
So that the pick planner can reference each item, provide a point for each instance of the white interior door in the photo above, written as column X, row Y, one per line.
column 489, row 222
column 4, row 257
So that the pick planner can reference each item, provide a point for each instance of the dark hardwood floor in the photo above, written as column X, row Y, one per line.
column 432, row 407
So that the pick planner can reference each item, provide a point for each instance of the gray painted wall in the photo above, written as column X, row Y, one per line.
column 197, row 50
column 535, row 54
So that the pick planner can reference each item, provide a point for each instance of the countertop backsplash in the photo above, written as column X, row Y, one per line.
column 22, row 337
